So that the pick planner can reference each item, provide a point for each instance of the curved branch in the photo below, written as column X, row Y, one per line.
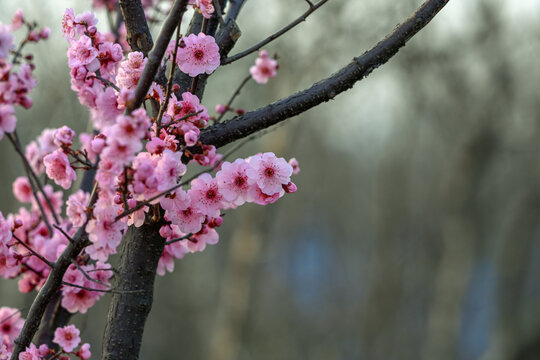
column 302, row 18
column 155, row 56
column 241, row 126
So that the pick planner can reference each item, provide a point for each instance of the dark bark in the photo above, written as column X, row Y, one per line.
column 242, row 126
column 138, row 33
column 139, row 255
column 156, row 55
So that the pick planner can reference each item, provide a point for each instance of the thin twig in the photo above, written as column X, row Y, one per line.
column 108, row 291
column 234, row 95
column 155, row 56
column 59, row 228
column 182, row 118
column 165, row 104
column 275, row 35
column 10, row 316
column 85, row 274
column 33, row 252
column 14, row 139
column 239, row 127
column 179, row 239
column 105, row 81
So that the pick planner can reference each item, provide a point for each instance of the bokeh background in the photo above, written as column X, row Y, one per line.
column 414, row 233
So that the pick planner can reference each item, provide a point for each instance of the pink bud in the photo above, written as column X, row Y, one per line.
column 176, row 88
column 33, row 36
column 17, row 223
column 220, row 109
column 117, row 199
column 216, row 222
column 191, row 138
column 97, row 144
column 132, row 203
column 240, row 111
column 92, row 31
column 290, row 187
column 165, row 231
column 44, row 33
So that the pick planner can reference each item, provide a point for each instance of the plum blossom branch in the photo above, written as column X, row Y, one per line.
column 275, row 35
column 108, row 291
column 179, row 239
column 49, row 264
column 155, row 56
column 170, row 80
column 241, row 126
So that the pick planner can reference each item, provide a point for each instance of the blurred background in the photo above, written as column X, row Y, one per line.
column 415, row 230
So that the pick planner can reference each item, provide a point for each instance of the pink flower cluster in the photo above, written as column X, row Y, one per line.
column 261, row 179
column 78, row 294
column 11, row 324
column 264, row 68
column 67, row 337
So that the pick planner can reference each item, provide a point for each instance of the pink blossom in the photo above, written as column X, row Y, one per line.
column 6, row 41
column 22, row 189
column 191, row 138
column 82, row 52
column 85, row 21
column 44, row 33
column 264, row 68
column 233, row 181
column 84, row 352
column 130, row 70
column 109, row 56
column 86, row 142
column 17, row 20
column 106, row 110
column 169, row 169
column 67, row 337
column 269, row 172
column 258, row 197
column 4, row 353
column 199, row 55
column 58, row 168
column 68, row 24
column 31, row 353
column 290, row 188
column 11, row 322
column 7, row 119
column 46, row 141
column 104, row 231
column 205, row 195
column 180, row 211
column 295, row 166
column 220, row 109
column 205, row 7
column 64, row 136
column 76, row 208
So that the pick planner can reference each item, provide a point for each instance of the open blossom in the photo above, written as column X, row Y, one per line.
column 205, row 7
column 205, row 195
column 180, row 212
column 76, row 208
column 7, row 119
column 269, row 172
column 17, row 20
column 22, row 189
column 84, row 352
column 11, row 322
column 233, row 181
column 200, row 54
column 82, row 52
column 58, row 168
column 64, row 136
column 130, row 70
column 67, row 337
column 264, row 68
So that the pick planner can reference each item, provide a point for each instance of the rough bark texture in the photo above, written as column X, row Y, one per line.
column 129, row 308
column 138, row 33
